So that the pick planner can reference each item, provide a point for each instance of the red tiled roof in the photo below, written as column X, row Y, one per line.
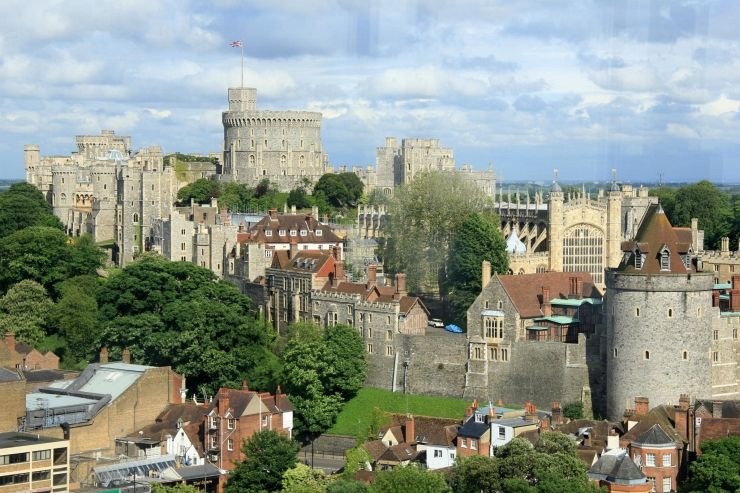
column 429, row 430
column 191, row 414
column 303, row 261
column 662, row 415
column 288, row 222
column 383, row 294
column 525, row 290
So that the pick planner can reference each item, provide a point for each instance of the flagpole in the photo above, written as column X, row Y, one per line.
column 242, row 47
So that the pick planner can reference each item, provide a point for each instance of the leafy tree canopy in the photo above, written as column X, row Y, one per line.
column 75, row 317
column 268, row 456
column 347, row 486
column 178, row 488
column 178, row 314
column 24, row 310
column 409, row 479
column 201, row 191
column 573, row 410
column 23, row 205
column 717, row 470
column 302, row 479
column 341, row 190
column 423, row 217
column 476, row 239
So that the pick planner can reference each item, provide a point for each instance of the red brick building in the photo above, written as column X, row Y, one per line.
column 235, row 415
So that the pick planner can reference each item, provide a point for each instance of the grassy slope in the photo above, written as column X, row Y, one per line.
column 355, row 416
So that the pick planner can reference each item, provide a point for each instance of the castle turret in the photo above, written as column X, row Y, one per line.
column 555, row 211
column 659, row 320
column 613, row 223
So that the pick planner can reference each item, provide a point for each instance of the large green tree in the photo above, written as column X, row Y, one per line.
column 409, row 479
column 321, row 371
column 23, row 205
column 201, row 191
column 45, row 255
column 302, row 479
column 717, row 470
column 341, row 190
column 423, row 217
column 707, row 203
column 476, row 239
column 178, row 314
column 25, row 310
column 268, row 456
column 75, row 317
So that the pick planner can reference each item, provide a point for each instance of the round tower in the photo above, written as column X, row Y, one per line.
column 659, row 321
column 614, row 223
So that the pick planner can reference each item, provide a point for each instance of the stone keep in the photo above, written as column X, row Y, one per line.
column 282, row 146
column 659, row 320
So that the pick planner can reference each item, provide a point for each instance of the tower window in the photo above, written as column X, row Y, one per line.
column 637, row 312
column 685, row 355
column 670, row 313
column 638, row 259
column 615, row 352
column 715, row 357
column 647, row 354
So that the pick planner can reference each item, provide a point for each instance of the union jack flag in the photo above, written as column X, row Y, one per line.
column 235, row 44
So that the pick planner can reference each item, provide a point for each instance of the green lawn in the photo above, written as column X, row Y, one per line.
column 355, row 417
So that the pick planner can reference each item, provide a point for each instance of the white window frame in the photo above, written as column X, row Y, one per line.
column 667, row 484
column 268, row 232
column 319, row 232
column 667, row 460
column 650, row 459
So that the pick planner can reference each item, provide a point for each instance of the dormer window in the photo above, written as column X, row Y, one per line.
column 665, row 259
column 304, row 232
column 318, row 232
column 293, row 232
column 268, row 232
column 281, row 232
column 638, row 259
column 479, row 418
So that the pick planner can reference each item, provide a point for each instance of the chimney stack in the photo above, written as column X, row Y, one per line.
column 103, row 355
column 126, row 356
column 273, row 214
column 338, row 267
column 715, row 298
column 293, row 248
column 642, row 406
column 612, row 441
column 410, row 429
column 245, row 384
column 223, row 401
column 485, row 274
column 724, row 245
column 557, row 414
column 372, row 275
column 682, row 418
column 735, row 294
column 10, row 341
column 546, row 306
column 400, row 285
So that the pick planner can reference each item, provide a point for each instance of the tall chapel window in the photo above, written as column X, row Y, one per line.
column 665, row 263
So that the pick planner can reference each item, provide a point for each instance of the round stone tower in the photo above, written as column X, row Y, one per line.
column 659, row 320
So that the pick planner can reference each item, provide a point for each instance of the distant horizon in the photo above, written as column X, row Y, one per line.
column 580, row 86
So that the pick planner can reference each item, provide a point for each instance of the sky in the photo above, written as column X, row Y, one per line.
column 647, row 87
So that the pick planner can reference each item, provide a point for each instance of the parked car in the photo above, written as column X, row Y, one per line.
column 436, row 322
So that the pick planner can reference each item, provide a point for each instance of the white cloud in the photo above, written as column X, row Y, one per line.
column 682, row 131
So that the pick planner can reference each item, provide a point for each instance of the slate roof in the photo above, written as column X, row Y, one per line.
column 198, row 472
column 399, row 453
column 655, row 436
column 525, row 290
column 239, row 400
column 191, row 414
column 663, row 415
column 654, row 234
column 616, row 468
column 730, row 409
column 288, row 222
column 8, row 375
column 472, row 428
column 429, row 430
column 375, row 448
column 303, row 261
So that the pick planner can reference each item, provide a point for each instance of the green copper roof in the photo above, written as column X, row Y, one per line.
column 558, row 319
column 724, row 285
column 537, row 327
column 575, row 302
column 730, row 314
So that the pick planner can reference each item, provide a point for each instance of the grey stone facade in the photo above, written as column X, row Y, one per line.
column 282, row 146
column 106, row 190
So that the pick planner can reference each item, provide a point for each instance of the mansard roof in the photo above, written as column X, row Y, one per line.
column 525, row 290
column 655, row 235
column 296, row 222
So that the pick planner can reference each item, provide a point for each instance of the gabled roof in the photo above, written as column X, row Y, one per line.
column 654, row 235
column 303, row 261
column 473, row 428
column 663, row 415
column 730, row 409
column 525, row 290
column 380, row 294
column 190, row 414
column 655, row 436
column 7, row 375
column 428, row 430
column 399, row 453
column 240, row 400
column 716, row 428
column 287, row 222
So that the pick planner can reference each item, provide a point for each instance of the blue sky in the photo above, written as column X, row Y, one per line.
column 584, row 86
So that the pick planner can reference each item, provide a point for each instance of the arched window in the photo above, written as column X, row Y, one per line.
column 583, row 251
column 283, row 160
column 670, row 312
column 135, row 218
column 251, row 159
column 637, row 312
column 302, row 160
column 685, row 355
column 615, row 352
column 665, row 259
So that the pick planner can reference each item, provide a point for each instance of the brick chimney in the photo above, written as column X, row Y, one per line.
column 557, row 414
column 724, row 244
column 245, row 384
column 10, row 341
column 681, row 417
column 573, row 287
column 410, row 434
column 715, row 298
column 530, row 412
column 223, row 401
column 400, row 286
column 485, row 274
column 338, row 267
column 273, row 214
column 716, row 409
column 372, row 276
column 293, row 248
column 103, row 355
column 579, row 288
column 546, row 306
column 612, row 441
column 126, row 356
column 642, row 406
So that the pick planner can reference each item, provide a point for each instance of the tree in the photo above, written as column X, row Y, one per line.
column 347, row 486
column 45, row 255
column 177, row 488
column 717, row 469
column 23, row 205
column 573, row 410
column 24, row 310
column 409, row 479
column 200, row 191
column 178, row 314
column 321, row 371
column 299, row 198
column 302, row 479
column 267, row 456
column 341, row 190
column 709, row 205
column 75, row 316
column 476, row 239
column 476, row 474
column 667, row 199
column 551, row 442
column 357, row 459
column 423, row 217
